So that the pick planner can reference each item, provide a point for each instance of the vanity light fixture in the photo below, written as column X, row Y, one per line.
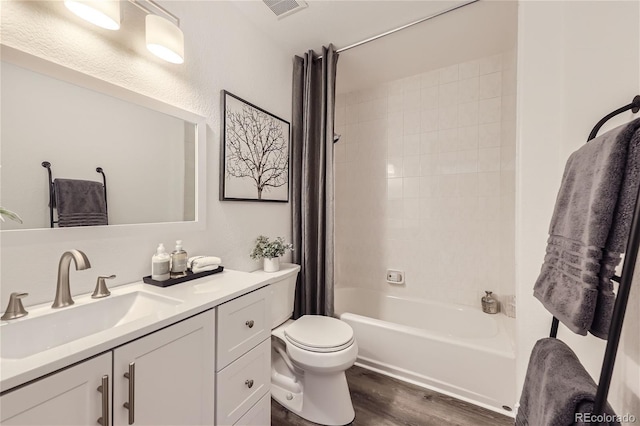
column 103, row 13
column 164, row 37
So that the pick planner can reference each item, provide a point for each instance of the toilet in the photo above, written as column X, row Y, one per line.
column 309, row 357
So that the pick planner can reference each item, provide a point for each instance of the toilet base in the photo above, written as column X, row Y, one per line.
column 324, row 399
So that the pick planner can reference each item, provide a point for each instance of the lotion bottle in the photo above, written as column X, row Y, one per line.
column 160, row 264
column 178, row 261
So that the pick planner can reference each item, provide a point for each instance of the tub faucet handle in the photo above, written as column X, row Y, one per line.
column 15, row 308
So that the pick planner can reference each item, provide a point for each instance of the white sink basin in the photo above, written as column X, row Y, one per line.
column 42, row 331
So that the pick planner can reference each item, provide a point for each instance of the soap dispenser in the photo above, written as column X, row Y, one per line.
column 489, row 303
column 160, row 264
column 178, row 261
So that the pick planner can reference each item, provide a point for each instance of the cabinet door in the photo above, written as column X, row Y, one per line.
column 170, row 376
column 69, row 397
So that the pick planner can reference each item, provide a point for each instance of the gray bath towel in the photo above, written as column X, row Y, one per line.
column 556, row 388
column 589, row 230
column 80, row 203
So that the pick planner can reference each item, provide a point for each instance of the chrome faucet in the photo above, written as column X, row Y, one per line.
column 63, row 293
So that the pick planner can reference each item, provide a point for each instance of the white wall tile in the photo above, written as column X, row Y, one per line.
column 468, row 89
column 489, row 110
column 489, row 184
column 490, row 86
column 448, row 140
column 395, row 146
column 394, row 188
column 489, row 135
column 411, row 146
column 468, row 137
column 395, row 103
column 411, row 188
column 411, row 100
column 448, row 74
column 490, row 64
column 429, row 97
column 428, row 162
column 412, row 122
column 448, row 117
column 429, row 120
column 412, row 83
column 394, row 167
column 411, row 166
column 469, row 69
column 468, row 114
column 488, row 159
column 428, row 142
column 448, row 94
column 430, row 79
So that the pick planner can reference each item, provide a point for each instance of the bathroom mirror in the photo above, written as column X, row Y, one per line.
column 149, row 151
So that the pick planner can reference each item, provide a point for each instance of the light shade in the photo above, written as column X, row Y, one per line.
column 164, row 39
column 103, row 13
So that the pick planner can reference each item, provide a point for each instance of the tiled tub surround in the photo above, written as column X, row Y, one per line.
column 425, row 182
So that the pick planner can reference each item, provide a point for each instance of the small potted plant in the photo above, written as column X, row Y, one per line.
column 8, row 213
column 270, row 252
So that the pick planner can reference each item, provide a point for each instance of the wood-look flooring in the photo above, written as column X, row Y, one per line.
column 384, row 401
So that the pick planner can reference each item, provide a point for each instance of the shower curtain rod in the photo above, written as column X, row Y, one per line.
column 411, row 24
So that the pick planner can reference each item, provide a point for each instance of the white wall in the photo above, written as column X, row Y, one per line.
column 425, row 182
column 222, row 51
column 577, row 61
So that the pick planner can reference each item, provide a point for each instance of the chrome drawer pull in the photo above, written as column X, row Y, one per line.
column 131, row 404
column 249, row 323
column 249, row 383
column 104, row 390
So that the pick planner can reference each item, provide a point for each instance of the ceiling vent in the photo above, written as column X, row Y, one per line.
column 284, row 8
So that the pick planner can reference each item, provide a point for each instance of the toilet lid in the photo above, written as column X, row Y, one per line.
column 319, row 334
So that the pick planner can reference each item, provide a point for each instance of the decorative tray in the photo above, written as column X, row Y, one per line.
column 190, row 276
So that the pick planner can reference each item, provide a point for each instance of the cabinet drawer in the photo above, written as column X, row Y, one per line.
column 259, row 414
column 243, row 383
column 242, row 324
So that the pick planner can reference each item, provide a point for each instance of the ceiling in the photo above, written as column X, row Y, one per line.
column 477, row 30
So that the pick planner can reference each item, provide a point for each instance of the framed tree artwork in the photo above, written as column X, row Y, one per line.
column 255, row 153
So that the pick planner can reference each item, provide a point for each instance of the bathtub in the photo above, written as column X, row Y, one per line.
column 453, row 349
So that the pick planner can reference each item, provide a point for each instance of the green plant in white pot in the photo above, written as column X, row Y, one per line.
column 270, row 252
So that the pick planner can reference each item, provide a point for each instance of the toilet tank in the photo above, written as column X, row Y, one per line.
column 283, row 289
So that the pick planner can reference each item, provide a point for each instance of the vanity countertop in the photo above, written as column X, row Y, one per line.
column 193, row 297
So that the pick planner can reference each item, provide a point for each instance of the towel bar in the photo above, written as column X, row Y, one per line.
column 47, row 165
column 624, row 280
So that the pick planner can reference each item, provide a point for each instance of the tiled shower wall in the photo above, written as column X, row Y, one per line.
column 425, row 183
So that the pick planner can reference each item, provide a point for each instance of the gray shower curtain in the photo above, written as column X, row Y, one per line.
column 314, row 83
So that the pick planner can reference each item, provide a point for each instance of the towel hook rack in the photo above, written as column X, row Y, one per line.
column 624, row 287
column 47, row 165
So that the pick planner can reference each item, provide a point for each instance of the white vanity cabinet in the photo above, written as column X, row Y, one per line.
column 170, row 381
column 169, row 376
column 243, row 360
column 68, row 397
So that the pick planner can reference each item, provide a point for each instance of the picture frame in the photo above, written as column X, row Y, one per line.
column 255, row 153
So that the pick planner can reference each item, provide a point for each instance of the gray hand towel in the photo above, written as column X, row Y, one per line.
column 556, row 388
column 589, row 230
column 80, row 203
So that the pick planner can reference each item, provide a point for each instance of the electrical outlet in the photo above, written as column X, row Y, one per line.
column 395, row 276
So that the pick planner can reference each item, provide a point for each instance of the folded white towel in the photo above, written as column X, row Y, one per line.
column 202, row 261
column 197, row 269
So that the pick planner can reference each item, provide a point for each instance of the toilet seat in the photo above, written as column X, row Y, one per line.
column 316, row 333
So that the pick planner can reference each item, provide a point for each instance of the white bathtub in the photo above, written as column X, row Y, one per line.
column 457, row 350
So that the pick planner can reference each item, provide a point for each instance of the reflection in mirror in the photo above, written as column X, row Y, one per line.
column 148, row 157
